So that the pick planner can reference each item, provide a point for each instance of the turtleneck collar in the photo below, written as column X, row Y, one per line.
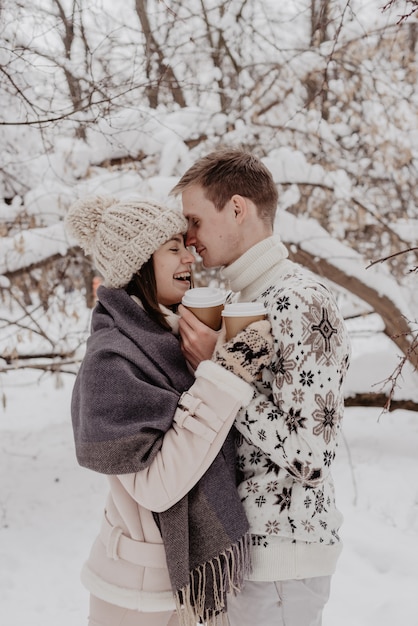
column 255, row 270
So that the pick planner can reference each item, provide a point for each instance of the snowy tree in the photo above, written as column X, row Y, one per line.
column 122, row 98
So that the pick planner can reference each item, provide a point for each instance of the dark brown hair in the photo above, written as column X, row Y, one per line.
column 143, row 285
column 230, row 171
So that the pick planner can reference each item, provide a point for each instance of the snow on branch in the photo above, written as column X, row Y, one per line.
column 32, row 246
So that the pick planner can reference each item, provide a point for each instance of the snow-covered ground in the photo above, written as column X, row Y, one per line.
column 50, row 510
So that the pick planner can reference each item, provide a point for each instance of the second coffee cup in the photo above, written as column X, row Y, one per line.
column 238, row 315
column 206, row 303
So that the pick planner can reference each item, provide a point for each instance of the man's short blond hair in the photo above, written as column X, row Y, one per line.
column 229, row 171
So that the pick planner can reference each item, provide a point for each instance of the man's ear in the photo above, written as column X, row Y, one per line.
column 240, row 208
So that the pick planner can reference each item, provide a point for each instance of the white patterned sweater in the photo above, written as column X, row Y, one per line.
column 289, row 433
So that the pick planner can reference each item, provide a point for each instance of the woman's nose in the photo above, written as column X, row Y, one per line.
column 189, row 257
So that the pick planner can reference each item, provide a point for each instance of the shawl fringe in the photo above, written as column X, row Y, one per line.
column 227, row 572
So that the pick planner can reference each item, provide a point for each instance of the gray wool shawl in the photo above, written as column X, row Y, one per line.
column 124, row 400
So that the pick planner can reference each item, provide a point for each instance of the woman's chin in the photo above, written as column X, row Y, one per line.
column 184, row 285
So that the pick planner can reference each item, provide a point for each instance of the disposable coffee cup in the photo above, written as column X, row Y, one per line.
column 238, row 315
column 207, row 304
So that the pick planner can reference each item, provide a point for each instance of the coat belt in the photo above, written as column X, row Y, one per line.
column 119, row 546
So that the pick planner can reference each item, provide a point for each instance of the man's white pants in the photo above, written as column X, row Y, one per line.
column 282, row 603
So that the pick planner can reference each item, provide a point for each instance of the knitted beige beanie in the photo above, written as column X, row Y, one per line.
column 121, row 235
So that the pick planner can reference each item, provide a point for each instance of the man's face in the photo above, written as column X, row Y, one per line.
column 214, row 234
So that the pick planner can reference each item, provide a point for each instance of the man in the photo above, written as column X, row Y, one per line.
column 289, row 433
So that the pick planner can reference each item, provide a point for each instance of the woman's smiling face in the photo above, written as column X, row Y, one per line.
column 172, row 268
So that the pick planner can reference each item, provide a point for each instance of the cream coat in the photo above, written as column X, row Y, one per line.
column 127, row 565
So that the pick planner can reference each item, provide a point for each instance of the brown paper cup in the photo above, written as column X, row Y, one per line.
column 233, row 325
column 239, row 315
column 211, row 315
column 207, row 304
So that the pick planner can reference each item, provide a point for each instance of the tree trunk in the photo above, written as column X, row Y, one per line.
column 154, row 54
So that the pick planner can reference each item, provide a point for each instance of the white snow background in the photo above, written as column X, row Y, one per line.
column 50, row 508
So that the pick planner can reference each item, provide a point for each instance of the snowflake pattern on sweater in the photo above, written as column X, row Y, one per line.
column 288, row 434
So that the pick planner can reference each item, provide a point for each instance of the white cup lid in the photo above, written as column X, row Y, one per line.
column 200, row 297
column 239, row 309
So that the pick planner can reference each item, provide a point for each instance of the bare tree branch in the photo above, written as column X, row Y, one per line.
column 391, row 256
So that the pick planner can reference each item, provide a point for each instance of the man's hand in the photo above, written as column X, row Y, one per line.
column 248, row 353
column 197, row 340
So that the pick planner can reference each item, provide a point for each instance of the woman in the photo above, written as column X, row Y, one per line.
column 174, row 537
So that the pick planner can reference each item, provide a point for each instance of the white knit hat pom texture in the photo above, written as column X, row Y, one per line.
column 121, row 235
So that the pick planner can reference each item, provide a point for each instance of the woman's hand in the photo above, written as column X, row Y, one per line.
column 197, row 340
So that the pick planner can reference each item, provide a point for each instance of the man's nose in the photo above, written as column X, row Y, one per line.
column 190, row 238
